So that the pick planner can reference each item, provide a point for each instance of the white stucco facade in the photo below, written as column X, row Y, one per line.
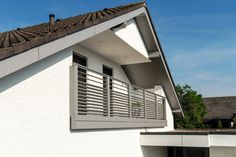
column 35, row 118
column 96, row 62
column 35, row 97
column 169, row 116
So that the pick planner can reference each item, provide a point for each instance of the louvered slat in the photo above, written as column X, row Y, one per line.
column 103, row 96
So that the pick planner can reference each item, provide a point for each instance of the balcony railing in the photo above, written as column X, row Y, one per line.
column 101, row 101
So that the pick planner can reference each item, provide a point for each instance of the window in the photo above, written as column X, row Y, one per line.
column 82, row 79
column 107, row 70
column 79, row 59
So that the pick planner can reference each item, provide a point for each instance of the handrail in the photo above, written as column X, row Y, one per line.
column 85, row 68
column 115, row 98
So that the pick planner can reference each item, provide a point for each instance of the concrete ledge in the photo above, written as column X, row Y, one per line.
column 175, row 140
column 190, row 138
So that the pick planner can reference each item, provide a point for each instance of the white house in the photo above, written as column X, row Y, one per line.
column 86, row 86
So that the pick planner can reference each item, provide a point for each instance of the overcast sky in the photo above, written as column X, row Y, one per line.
column 198, row 36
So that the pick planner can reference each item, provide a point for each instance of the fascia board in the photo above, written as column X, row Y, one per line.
column 18, row 62
column 175, row 140
column 222, row 140
column 162, row 58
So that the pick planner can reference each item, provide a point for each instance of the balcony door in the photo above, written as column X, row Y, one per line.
column 109, row 72
column 82, row 83
column 188, row 152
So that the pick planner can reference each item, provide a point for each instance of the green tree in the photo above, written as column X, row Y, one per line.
column 193, row 107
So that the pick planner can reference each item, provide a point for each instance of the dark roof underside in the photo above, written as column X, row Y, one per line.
column 220, row 107
column 23, row 39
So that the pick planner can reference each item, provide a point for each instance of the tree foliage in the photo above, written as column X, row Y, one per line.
column 193, row 107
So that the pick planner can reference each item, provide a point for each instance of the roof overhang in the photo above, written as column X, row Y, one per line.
column 31, row 56
column 112, row 47
column 150, row 74
column 204, row 138
column 148, row 33
column 156, row 72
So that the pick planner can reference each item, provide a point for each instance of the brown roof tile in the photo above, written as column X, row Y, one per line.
column 22, row 39
column 220, row 107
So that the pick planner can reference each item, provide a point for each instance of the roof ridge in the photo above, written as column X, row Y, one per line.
column 211, row 97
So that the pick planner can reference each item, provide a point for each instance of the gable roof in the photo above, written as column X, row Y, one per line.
column 40, row 41
column 23, row 39
column 220, row 107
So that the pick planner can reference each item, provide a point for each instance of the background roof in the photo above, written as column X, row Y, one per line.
column 220, row 107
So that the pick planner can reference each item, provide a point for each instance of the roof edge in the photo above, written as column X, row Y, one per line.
column 165, row 63
column 38, row 52
column 21, row 40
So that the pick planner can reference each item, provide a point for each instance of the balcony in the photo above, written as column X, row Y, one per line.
column 98, row 101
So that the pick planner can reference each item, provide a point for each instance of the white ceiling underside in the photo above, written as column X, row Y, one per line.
column 131, row 35
column 114, row 48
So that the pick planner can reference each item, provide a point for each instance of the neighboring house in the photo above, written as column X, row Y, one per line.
column 190, row 143
column 84, row 86
column 220, row 109
column 207, row 142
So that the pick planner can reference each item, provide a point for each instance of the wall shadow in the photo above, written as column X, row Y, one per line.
column 154, row 151
column 27, row 72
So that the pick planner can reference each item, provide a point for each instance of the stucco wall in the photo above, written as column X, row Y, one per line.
column 34, row 116
column 96, row 62
column 169, row 116
column 222, row 151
